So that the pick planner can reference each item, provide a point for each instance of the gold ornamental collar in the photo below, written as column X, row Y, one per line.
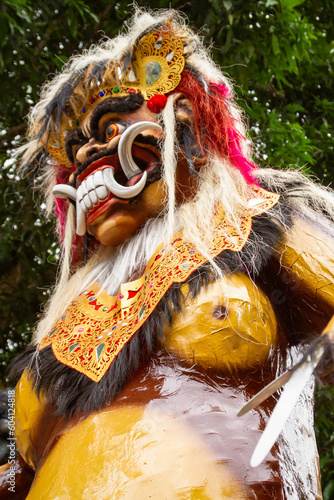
column 96, row 326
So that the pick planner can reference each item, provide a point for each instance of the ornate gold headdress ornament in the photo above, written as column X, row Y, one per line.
column 155, row 69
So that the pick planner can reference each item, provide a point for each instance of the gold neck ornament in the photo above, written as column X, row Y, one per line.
column 96, row 326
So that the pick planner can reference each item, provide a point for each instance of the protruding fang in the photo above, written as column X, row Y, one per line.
column 81, row 220
column 130, row 168
column 65, row 191
column 82, row 205
column 124, row 192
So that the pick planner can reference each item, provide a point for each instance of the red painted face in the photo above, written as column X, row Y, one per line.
column 110, row 218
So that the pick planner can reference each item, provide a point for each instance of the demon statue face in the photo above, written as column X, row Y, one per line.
column 128, row 130
column 114, row 195
column 113, row 144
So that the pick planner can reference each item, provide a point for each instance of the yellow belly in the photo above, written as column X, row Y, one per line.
column 129, row 453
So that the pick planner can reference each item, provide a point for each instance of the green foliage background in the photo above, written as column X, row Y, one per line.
column 278, row 52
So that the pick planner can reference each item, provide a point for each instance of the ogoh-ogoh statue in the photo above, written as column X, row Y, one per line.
column 189, row 280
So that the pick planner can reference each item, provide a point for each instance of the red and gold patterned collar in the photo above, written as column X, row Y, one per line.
column 96, row 326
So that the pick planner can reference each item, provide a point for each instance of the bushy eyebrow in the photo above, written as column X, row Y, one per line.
column 113, row 105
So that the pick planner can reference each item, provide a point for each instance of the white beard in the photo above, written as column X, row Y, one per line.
column 129, row 260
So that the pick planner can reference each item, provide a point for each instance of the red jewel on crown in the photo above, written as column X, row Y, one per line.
column 157, row 103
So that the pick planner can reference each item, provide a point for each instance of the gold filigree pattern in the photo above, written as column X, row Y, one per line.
column 161, row 48
column 165, row 50
column 96, row 326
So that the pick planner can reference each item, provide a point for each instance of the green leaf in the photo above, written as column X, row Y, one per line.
column 329, row 491
column 271, row 3
column 294, row 107
column 275, row 44
column 73, row 23
column 291, row 4
column 227, row 4
column 3, row 30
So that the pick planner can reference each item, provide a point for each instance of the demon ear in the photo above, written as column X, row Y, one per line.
column 193, row 151
column 184, row 110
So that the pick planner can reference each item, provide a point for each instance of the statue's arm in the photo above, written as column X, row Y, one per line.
column 307, row 253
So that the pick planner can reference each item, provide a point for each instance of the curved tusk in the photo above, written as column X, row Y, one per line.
column 124, row 192
column 81, row 220
column 129, row 166
column 65, row 191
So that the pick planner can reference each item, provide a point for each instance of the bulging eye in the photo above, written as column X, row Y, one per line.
column 114, row 129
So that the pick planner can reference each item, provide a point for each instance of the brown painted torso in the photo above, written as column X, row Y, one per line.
column 196, row 409
column 173, row 431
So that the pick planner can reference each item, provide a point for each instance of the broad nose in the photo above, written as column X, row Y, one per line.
column 89, row 149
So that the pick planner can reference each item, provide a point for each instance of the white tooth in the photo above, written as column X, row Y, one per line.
column 102, row 192
column 98, row 179
column 84, row 188
column 90, row 198
column 87, row 201
column 93, row 197
column 82, row 191
column 81, row 220
column 90, row 183
column 79, row 193
column 83, row 206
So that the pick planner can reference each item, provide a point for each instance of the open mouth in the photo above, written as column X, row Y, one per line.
column 121, row 175
column 94, row 190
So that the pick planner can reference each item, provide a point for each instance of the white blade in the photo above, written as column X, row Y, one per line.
column 281, row 413
column 266, row 392
column 287, row 401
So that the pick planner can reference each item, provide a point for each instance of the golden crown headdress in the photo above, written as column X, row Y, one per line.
column 155, row 69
